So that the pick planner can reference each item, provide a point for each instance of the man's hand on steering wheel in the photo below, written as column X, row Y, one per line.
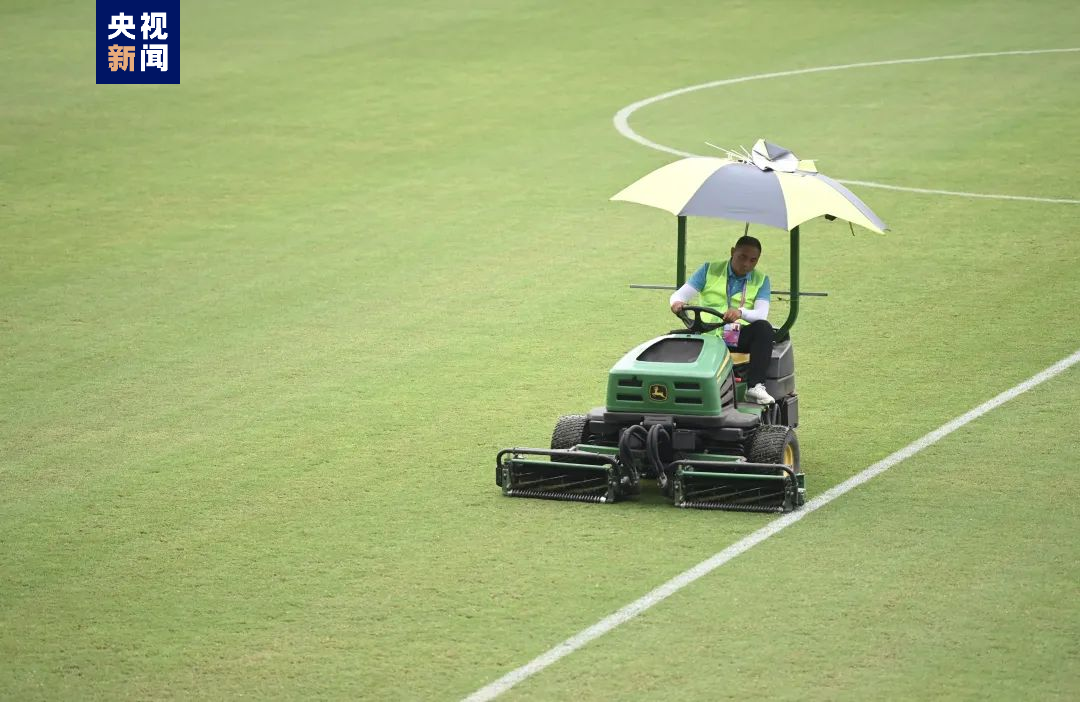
column 697, row 325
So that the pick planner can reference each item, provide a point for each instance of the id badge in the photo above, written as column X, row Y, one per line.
column 731, row 333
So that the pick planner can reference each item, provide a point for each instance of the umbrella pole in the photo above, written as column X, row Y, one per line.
column 680, row 255
column 793, row 311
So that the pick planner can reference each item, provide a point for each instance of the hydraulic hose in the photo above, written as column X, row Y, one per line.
column 626, row 457
column 656, row 434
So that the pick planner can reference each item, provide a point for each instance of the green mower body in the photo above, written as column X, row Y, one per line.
column 673, row 374
column 673, row 415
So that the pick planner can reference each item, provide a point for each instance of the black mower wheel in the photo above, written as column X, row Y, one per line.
column 775, row 443
column 569, row 431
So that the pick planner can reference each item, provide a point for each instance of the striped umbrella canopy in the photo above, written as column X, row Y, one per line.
column 770, row 186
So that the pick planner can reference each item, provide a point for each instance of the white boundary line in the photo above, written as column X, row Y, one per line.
column 622, row 117
column 680, row 581
column 957, row 193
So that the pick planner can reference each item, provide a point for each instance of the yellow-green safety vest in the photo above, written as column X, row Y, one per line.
column 715, row 293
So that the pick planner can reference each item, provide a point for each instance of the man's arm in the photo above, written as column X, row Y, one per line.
column 760, row 310
column 690, row 290
column 683, row 295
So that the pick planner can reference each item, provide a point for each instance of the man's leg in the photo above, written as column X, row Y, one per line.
column 756, row 338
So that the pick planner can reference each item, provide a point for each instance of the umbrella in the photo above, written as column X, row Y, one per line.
column 769, row 186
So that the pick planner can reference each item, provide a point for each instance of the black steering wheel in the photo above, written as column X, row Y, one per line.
column 697, row 325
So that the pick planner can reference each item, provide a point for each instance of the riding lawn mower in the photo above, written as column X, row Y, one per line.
column 676, row 411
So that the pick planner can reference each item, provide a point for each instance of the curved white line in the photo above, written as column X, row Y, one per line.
column 958, row 193
column 622, row 117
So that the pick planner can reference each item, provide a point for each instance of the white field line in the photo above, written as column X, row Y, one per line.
column 622, row 117
column 680, row 581
column 958, row 193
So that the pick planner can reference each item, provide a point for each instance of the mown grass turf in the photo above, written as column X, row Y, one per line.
column 951, row 576
column 262, row 333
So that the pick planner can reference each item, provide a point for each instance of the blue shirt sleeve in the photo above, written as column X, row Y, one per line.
column 698, row 279
column 765, row 291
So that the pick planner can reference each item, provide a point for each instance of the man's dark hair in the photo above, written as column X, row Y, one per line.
column 748, row 241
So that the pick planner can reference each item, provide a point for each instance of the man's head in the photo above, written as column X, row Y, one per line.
column 745, row 255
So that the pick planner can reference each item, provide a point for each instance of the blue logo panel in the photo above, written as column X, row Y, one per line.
column 137, row 41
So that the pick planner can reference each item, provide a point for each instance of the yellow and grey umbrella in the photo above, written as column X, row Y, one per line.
column 770, row 186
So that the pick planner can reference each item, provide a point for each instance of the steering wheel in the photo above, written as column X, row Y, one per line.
column 697, row 325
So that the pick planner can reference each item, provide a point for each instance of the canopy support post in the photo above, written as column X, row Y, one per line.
column 793, row 311
column 680, row 256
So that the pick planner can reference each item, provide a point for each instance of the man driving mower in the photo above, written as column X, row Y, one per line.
column 737, row 286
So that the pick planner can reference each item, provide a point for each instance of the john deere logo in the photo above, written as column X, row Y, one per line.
column 658, row 392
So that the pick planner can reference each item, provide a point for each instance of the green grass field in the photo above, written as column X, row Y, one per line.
column 263, row 333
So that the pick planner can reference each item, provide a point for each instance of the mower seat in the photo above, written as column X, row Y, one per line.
column 782, row 363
